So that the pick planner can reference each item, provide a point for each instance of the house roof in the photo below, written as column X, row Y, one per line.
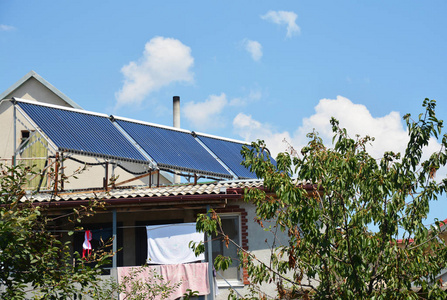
column 224, row 188
column 165, row 148
column 32, row 74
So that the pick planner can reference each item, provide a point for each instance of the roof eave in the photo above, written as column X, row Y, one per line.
column 179, row 200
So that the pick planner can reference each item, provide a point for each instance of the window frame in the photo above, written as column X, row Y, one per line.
column 239, row 282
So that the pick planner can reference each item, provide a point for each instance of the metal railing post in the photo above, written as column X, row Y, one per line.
column 210, row 261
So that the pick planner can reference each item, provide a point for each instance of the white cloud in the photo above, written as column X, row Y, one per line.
column 284, row 18
column 207, row 114
column 164, row 61
column 251, row 130
column 389, row 131
column 254, row 48
column 4, row 27
column 253, row 96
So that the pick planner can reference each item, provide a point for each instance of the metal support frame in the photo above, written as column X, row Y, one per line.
column 216, row 157
column 115, row 243
column 135, row 178
column 106, row 178
column 50, row 143
column 210, row 261
column 151, row 161
column 15, row 137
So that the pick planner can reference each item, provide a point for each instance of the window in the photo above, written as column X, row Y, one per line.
column 231, row 226
column 25, row 136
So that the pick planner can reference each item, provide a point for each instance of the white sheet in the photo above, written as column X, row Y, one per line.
column 168, row 244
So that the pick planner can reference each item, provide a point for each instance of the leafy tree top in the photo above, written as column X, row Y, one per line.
column 331, row 252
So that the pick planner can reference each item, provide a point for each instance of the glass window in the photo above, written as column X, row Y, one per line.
column 231, row 227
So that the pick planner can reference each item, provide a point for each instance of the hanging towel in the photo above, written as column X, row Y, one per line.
column 87, row 246
column 169, row 244
column 141, row 274
column 192, row 276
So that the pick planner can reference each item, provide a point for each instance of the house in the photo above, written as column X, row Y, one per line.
column 129, row 164
column 33, row 150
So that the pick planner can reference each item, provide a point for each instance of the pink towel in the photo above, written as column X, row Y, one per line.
column 192, row 276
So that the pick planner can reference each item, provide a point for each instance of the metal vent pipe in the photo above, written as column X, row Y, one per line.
column 176, row 111
column 176, row 123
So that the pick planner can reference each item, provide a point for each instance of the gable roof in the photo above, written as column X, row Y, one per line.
column 40, row 79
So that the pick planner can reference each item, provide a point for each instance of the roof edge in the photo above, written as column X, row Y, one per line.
column 78, row 110
column 45, row 83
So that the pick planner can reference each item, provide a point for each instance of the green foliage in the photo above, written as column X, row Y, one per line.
column 136, row 287
column 326, row 203
column 32, row 259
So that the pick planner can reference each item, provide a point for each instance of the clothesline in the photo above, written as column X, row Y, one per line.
column 119, row 227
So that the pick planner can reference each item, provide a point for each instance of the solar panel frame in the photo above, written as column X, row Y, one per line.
column 93, row 134
column 229, row 151
column 81, row 132
column 173, row 148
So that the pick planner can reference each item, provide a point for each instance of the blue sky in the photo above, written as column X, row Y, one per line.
column 243, row 69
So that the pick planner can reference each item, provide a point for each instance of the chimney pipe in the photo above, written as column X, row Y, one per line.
column 176, row 111
column 176, row 124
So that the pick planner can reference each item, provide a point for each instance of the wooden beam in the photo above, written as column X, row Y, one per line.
column 62, row 170
column 56, row 175
column 135, row 178
column 42, row 173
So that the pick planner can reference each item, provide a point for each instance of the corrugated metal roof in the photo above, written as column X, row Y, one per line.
column 230, row 153
column 81, row 132
column 173, row 149
column 166, row 191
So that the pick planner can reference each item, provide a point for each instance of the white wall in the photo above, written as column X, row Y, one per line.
column 32, row 89
column 257, row 245
column 7, row 131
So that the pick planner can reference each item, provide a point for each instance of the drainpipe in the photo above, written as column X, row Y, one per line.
column 176, row 124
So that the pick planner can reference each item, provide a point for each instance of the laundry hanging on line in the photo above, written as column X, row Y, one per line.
column 169, row 244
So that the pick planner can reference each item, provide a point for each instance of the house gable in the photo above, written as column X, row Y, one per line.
column 32, row 86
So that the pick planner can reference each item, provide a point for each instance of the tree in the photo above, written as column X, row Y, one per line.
column 32, row 259
column 332, row 251
column 141, row 283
